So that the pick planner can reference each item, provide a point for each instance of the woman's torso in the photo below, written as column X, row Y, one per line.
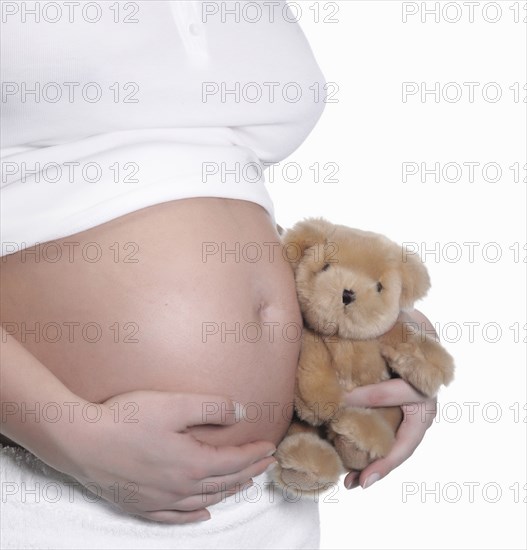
column 173, row 298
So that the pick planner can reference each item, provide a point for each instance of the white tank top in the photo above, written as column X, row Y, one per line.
column 109, row 107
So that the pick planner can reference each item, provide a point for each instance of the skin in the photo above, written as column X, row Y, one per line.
column 175, row 367
column 178, row 446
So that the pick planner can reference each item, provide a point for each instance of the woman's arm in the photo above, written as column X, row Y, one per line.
column 171, row 469
column 419, row 413
column 26, row 387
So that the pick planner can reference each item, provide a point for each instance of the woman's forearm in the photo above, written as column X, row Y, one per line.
column 38, row 410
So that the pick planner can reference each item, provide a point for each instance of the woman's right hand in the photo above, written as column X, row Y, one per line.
column 142, row 458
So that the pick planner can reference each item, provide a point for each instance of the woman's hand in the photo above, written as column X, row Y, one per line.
column 141, row 451
column 134, row 450
column 419, row 412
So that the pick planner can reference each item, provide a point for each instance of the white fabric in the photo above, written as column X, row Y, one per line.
column 153, row 102
column 45, row 509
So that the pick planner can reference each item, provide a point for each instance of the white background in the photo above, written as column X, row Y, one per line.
column 369, row 133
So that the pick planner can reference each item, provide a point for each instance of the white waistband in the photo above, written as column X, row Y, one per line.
column 43, row 508
column 117, row 174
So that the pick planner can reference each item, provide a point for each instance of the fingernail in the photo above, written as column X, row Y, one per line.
column 351, row 483
column 271, row 467
column 204, row 518
column 270, row 453
column 239, row 411
column 370, row 480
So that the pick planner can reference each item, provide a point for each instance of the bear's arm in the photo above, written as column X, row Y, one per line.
column 318, row 394
column 418, row 358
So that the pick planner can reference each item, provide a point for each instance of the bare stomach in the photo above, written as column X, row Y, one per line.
column 190, row 296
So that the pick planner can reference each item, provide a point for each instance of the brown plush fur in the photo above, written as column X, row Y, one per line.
column 351, row 286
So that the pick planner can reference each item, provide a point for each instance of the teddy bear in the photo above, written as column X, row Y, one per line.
column 351, row 286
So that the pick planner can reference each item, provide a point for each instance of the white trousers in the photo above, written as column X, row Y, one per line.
column 45, row 509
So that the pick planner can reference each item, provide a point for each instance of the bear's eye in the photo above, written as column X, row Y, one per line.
column 325, row 268
column 379, row 287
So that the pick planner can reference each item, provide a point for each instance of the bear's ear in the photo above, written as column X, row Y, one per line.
column 415, row 281
column 304, row 235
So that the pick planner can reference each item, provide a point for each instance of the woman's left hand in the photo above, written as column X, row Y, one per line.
column 419, row 412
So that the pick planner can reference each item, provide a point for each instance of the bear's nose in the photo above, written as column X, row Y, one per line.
column 348, row 296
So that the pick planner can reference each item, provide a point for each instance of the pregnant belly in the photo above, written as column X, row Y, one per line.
column 191, row 296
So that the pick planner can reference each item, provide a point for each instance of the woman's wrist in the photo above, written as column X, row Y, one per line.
column 48, row 427
column 421, row 323
column 38, row 411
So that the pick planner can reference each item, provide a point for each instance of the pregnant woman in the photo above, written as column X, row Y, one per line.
column 134, row 139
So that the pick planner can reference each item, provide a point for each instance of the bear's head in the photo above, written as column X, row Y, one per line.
column 351, row 283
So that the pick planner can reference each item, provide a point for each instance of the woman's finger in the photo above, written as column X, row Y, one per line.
column 219, row 461
column 391, row 393
column 175, row 517
column 232, row 480
column 192, row 509
column 209, row 498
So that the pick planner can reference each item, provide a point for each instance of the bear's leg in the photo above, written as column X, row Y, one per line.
column 307, row 464
column 361, row 435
